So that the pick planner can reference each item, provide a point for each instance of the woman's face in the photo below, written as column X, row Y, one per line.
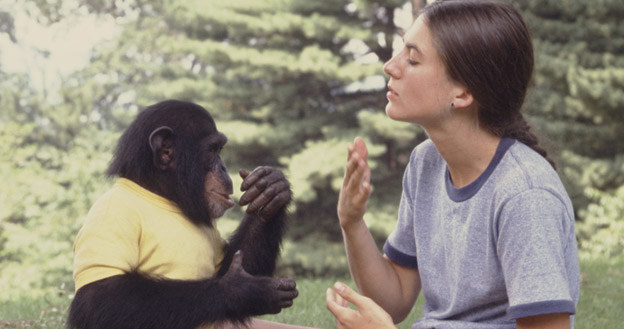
column 419, row 89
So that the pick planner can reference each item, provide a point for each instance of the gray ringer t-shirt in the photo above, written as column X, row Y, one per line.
column 488, row 253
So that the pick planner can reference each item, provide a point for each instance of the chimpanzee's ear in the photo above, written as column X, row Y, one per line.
column 161, row 143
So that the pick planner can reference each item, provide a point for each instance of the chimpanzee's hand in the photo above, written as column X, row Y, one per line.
column 266, row 191
column 257, row 295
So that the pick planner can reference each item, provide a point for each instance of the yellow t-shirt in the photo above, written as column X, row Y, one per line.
column 130, row 228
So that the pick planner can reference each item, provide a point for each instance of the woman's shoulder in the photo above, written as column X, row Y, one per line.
column 523, row 169
column 424, row 158
column 425, row 146
column 425, row 151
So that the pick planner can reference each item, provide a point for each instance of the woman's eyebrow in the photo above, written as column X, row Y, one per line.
column 413, row 46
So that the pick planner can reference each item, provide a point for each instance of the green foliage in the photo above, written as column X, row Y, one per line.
column 287, row 83
column 577, row 103
column 602, row 232
column 48, row 193
column 310, row 172
column 320, row 165
column 7, row 25
column 281, row 77
column 283, row 82
column 578, row 96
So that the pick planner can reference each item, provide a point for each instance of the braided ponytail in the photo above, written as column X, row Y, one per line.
column 520, row 130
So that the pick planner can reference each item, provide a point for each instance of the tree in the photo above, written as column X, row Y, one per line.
column 577, row 101
column 290, row 82
column 46, row 186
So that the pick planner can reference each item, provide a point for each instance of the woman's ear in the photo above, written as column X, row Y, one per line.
column 462, row 97
column 161, row 143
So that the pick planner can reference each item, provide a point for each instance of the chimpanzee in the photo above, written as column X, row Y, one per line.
column 149, row 255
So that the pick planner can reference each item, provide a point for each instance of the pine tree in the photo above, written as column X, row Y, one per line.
column 577, row 101
column 290, row 82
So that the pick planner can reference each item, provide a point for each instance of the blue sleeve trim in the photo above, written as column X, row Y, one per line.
column 399, row 257
column 538, row 308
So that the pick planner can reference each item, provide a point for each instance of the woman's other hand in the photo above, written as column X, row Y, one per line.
column 368, row 314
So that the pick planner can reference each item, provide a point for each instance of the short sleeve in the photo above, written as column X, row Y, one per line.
column 533, row 245
column 400, row 246
column 107, row 244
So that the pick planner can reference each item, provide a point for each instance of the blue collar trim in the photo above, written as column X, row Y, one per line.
column 468, row 191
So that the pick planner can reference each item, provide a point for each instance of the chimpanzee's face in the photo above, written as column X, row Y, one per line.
column 217, row 182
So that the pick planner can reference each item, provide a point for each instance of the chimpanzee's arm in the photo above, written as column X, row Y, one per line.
column 135, row 301
column 259, row 241
column 267, row 194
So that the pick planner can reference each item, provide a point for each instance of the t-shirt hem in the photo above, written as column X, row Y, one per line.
column 400, row 257
column 86, row 277
column 538, row 308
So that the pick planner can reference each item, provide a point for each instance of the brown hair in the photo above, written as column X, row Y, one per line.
column 486, row 46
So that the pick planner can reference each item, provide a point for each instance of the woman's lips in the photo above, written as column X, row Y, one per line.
column 391, row 93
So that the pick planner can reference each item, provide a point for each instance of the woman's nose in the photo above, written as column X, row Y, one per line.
column 391, row 68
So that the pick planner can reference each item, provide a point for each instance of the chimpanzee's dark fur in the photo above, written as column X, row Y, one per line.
column 243, row 287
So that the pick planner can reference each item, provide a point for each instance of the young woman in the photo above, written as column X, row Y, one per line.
column 485, row 227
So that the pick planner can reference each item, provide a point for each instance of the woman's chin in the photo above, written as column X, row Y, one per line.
column 395, row 115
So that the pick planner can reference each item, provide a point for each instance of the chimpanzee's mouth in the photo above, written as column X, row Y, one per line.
column 224, row 197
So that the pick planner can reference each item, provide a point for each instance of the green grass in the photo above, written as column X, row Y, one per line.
column 600, row 305
column 33, row 314
column 309, row 308
column 602, row 294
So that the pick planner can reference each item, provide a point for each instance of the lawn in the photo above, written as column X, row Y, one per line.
column 600, row 306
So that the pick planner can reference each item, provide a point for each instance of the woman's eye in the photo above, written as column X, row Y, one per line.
column 412, row 62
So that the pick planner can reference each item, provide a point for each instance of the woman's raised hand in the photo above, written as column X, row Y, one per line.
column 356, row 186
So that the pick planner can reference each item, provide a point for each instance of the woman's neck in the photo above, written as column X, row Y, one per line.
column 466, row 148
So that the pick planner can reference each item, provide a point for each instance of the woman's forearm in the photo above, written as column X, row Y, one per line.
column 375, row 275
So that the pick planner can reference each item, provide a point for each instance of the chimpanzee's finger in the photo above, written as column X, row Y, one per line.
column 286, row 297
column 277, row 203
column 243, row 173
column 287, row 283
column 285, row 303
column 268, row 195
column 255, row 175
column 237, row 263
column 260, row 185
